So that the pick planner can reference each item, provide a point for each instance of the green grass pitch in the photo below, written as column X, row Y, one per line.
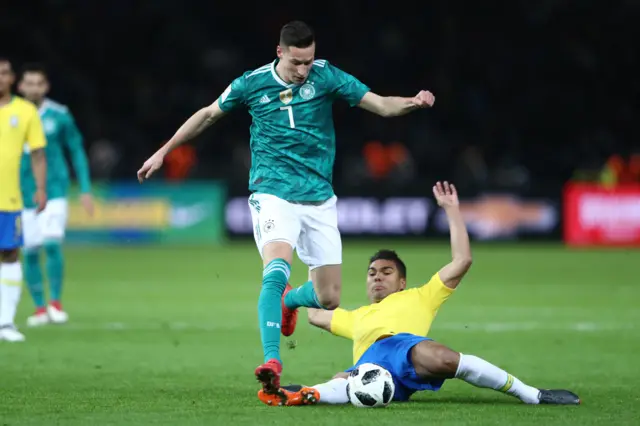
column 169, row 336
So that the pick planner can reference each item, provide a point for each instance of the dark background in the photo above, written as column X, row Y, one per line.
column 528, row 92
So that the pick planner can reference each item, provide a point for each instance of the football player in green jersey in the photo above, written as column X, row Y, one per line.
column 292, row 202
column 47, row 229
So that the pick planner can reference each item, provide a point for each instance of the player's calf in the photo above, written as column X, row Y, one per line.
column 10, row 289
column 55, row 268
column 34, row 280
column 327, row 282
column 433, row 360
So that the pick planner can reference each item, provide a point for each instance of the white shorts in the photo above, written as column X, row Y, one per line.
column 49, row 224
column 310, row 230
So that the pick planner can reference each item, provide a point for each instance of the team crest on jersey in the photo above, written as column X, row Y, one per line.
column 269, row 225
column 13, row 121
column 307, row 91
column 286, row 96
column 49, row 126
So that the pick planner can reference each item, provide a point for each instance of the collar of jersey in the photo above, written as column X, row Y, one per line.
column 44, row 106
column 277, row 77
column 13, row 98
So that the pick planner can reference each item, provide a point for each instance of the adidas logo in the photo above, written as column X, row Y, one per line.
column 265, row 99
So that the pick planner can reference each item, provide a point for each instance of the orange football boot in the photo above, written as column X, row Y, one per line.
column 290, row 396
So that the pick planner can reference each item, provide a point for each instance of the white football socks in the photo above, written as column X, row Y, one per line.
column 483, row 374
column 333, row 392
column 10, row 289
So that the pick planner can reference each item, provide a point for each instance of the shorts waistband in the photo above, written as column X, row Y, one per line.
column 307, row 203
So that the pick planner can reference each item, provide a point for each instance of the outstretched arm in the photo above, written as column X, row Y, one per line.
column 195, row 125
column 393, row 106
column 452, row 273
column 320, row 318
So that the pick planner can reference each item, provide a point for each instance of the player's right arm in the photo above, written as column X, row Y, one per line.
column 191, row 128
column 338, row 322
column 452, row 273
column 231, row 98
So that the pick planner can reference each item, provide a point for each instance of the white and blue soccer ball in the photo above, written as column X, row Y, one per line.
column 369, row 386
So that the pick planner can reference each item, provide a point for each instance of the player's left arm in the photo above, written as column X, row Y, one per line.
column 36, row 142
column 451, row 274
column 394, row 106
column 355, row 93
column 444, row 282
column 75, row 144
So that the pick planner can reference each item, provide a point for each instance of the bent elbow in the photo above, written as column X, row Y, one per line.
column 465, row 263
column 461, row 265
column 385, row 112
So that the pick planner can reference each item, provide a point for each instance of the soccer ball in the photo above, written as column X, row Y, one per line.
column 370, row 385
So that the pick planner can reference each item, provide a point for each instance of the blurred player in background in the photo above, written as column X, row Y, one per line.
column 19, row 126
column 392, row 331
column 47, row 230
column 292, row 204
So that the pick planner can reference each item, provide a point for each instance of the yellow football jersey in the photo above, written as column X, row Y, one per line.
column 409, row 311
column 19, row 125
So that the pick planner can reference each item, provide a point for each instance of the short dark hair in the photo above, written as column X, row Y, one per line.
column 34, row 67
column 296, row 34
column 392, row 256
column 7, row 60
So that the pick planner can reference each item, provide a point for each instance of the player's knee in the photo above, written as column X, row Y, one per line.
column 329, row 301
column 329, row 296
column 277, row 250
column 431, row 359
column 444, row 362
column 328, row 285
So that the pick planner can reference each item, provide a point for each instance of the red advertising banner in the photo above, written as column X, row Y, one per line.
column 598, row 216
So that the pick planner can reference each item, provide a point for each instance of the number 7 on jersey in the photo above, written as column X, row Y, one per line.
column 289, row 109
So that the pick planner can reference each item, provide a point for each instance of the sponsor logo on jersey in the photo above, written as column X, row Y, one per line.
column 286, row 96
column 307, row 91
column 265, row 99
column 13, row 121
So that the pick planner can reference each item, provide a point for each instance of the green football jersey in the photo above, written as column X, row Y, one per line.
column 293, row 143
column 61, row 132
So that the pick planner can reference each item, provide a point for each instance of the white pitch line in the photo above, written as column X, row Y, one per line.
column 498, row 327
column 487, row 327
